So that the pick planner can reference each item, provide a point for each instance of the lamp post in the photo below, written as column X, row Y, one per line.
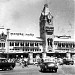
column 8, row 43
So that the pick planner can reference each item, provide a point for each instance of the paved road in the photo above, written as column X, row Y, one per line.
column 34, row 70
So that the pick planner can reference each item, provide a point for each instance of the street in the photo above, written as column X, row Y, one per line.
column 34, row 70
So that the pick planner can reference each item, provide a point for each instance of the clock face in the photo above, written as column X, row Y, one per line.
column 49, row 21
column 49, row 17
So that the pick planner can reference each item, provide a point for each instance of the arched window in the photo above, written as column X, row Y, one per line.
column 63, row 44
column 36, row 44
column 16, row 43
column 4, row 44
column 11, row 43
column 31, row 44
column 66, row 45
column 0, row 44
column 22, row 43
column 27, row 44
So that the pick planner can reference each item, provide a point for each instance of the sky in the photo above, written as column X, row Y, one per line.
column 23, row 15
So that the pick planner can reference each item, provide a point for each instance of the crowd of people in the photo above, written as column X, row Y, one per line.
column 21, row 61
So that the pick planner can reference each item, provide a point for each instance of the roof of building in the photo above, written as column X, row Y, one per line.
column 64, row 39
column 31, row 37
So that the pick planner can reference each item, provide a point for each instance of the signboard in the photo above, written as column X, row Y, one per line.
column 49, row 30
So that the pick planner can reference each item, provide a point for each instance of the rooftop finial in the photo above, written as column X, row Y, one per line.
column 46, row 3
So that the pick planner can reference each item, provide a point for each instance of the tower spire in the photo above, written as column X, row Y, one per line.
column 46, row 29
column 46, row 15
column 45, row 10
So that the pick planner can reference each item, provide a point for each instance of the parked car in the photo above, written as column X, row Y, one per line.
column 5, row 65
column 48, row 65
column 68, row 61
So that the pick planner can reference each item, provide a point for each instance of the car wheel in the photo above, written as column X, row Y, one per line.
column 11, row 68
column 72, row 64
column 55, row 70
column 41, row 69
column 4, row 69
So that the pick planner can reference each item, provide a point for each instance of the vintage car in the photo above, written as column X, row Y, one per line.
column 5, row 65
column 48, row 65
column 68, row 61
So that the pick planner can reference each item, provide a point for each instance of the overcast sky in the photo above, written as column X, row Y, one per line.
column 23, row 15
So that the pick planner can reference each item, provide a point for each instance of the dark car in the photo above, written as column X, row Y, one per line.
column 5, row 65
column 68, row 61
column 48, row 66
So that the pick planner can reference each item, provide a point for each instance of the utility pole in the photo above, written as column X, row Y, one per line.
column 8, row 43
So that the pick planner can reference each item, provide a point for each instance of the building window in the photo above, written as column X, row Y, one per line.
column 36, row 50
column 11, row 43
column 22, row 43
column 66, row 45
column 26, row 50
column 63, row 44
column 4, row 44
column 73, row 45
column 26, row 44
column 59, row 44
column 36, row 44
column 40, row 49
column 0, row 44
column 31, row 50
column 55, row 43
column 16, row 49
column 31, row 44
column 16, row 43
column 70, row 46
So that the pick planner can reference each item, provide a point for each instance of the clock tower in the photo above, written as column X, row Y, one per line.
column 46, row 29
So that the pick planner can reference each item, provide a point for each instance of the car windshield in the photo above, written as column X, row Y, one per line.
column 49, row 60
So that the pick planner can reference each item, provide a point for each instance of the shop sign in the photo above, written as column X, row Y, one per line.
column 49, row 28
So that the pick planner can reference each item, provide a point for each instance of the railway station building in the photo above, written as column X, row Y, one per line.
column 18, row 45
